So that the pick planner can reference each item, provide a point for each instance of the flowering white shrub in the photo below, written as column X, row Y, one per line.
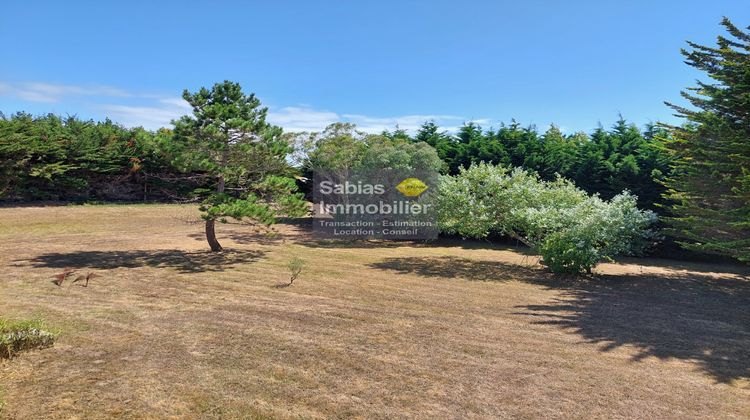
column 23, row 335
column 572, row 230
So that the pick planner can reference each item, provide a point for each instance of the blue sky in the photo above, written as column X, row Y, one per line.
column 375, row 63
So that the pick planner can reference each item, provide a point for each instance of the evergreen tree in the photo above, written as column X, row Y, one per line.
column 605, row 163
column 591, row 171
column 228, row 139
column 50, row 157
column 522, row 145
column 710, row 188
column 447, row 147
column 559, row 152
column 478, row 146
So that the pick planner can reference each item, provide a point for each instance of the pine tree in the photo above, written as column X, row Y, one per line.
column 710, row 188
column 228, row 139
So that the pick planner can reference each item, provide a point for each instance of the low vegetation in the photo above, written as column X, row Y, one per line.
column 570, row 229
column 295, row 266
column 17, row 336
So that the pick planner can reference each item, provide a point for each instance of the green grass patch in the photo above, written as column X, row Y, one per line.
column 17, row 336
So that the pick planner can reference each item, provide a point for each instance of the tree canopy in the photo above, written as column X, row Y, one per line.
column 228, row 139
column 710, row 187
column 606, row 162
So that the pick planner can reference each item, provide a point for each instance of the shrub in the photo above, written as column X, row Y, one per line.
column 572, row 230
column 23, row 335
column 295, row 266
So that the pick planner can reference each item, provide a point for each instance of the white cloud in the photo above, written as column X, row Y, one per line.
column 410, row 123
column 153, row 111
column 302, row 118
column 177, row 103
column 306, row 118
column 48, row 92
column 150, row 117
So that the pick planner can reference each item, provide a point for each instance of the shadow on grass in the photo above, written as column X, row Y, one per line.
column 705, row 267
column 464, row 268
column 441, row 242
column 182, row 261
column 678, row 315
column 300, row 231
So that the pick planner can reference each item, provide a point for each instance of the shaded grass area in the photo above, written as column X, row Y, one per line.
column 703, row 321
column 451, row 267
column 181, row 261
column 369, row 329
column 687, row 316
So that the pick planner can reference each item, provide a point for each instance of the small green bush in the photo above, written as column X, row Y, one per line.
column 23, row 335
column 295, row 266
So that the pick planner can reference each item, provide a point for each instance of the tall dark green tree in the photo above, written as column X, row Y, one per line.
column 522, row 145
column 479, row 146
column 622, row 158
column 228, row 139
column 448, row 149
column 559, row 152
column 606, row 162
column 710, row 188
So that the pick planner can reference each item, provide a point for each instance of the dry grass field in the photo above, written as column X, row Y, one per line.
column 387, row 330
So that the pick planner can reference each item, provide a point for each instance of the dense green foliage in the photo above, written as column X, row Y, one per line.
column 243, row 157
column 54, row 158
column 49, row 157
column 341, row 148
column 570, row 229
column 193, row 156
column 710, row 188
column 606, row 162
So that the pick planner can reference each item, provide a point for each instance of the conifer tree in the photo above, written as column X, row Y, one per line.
column 710, row 188
column 228, row 139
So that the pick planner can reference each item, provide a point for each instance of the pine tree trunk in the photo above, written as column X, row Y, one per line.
column 211, row 224
column 211, row 236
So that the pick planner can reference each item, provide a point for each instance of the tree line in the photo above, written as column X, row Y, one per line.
column 606, row 162
column 54, row 158
column 50, row 157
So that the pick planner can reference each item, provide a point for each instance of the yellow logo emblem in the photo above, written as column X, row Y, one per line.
column 411, row 187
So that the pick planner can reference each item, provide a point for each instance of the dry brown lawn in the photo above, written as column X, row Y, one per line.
column 387, row 330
